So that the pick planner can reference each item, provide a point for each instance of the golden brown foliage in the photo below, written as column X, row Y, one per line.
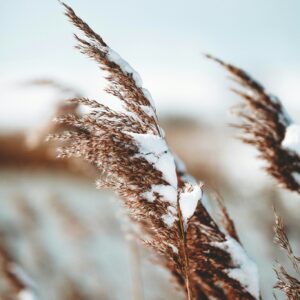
column 193, row 248
column 263, row 124
column 286, row 283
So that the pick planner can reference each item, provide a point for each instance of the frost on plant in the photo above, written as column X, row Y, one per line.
column 129, row 150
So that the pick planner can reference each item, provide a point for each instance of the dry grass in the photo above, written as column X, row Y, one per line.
column 128, row 151
column 193, row 248
column 286, row 283
column 263, row 124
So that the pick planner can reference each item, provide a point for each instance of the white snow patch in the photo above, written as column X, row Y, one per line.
column 174, row 248
column 291, row 140
column 124, row 65
column 246, row 271
column 150, row 143
column 170, row 217
column 188, row 201
column 167, row 192
column 155, row 150
column 126, row 68
column 172, row 210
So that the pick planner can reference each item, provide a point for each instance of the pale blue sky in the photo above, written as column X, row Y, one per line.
column 162, row 40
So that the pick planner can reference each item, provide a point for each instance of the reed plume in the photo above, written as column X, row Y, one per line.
column 265, row 125
column 128, row 148
column 288, row 284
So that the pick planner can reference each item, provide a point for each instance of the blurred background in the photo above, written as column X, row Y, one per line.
column 71, row 238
